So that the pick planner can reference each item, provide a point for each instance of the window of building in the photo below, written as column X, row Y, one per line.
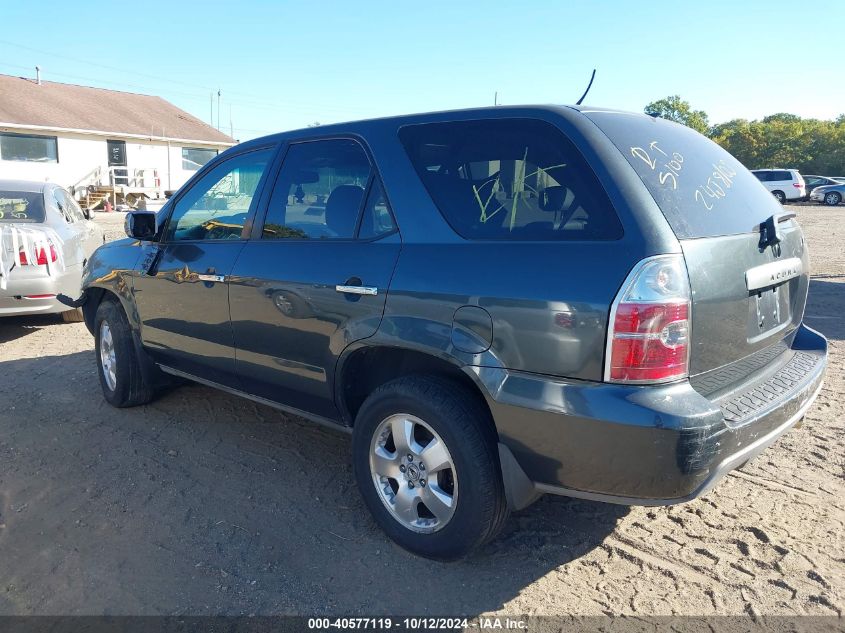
column 195, row 157
column 29, row 147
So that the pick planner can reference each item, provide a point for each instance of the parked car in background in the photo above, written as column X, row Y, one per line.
column 838, row 178
column 45, row 240
column 830, row 195
column 784, row 184
column 496, row 303
column 811, row 182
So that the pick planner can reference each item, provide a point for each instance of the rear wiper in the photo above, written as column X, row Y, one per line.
column 770, row 229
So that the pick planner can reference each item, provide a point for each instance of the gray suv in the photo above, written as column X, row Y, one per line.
column 495, row 303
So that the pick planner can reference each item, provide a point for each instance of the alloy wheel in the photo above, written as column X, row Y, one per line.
column 107, row 356
column 413, row 473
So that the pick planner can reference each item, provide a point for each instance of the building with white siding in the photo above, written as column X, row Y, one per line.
column 100, row 144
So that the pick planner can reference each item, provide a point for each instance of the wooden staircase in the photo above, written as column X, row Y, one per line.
column 95, row 199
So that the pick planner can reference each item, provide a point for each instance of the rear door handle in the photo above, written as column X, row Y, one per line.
column 357, row 290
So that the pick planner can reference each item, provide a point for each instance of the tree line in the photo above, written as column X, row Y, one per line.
column 812, row 146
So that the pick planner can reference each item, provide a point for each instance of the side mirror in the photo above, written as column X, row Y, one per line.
column 140, row 225
column 168, row 193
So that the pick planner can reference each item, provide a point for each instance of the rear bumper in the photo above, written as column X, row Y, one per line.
column 655, row 445
column 14, row 299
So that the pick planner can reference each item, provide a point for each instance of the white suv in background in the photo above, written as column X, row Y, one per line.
column 785, row 184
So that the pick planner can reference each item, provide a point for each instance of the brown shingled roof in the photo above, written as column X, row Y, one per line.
column 56, row 105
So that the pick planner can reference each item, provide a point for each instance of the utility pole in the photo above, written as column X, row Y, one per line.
column 496, row 98
column 218, row 108
column 231, row 127
column 211, row 111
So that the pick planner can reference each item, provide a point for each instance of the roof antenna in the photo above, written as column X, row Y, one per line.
column 589, row 85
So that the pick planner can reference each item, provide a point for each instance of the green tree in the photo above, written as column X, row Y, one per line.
column 676, row 109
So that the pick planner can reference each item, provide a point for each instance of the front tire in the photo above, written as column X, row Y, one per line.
column 118, row 367
column 426, row 463
column 832, row 198
column 780, row 196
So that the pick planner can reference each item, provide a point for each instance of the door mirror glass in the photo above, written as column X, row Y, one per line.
column 140, row 225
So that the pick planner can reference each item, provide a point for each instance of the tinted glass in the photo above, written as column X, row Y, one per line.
column 216, row 207
column 319, row 191
column 762, row 176
column 195, row 157
column 701, row 189
column 21, row 206
column 376, row 219
column 781, row 175
column 510, row 179
column 25, row 147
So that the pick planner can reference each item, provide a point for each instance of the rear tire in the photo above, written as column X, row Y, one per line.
column 436, row 511
column 118, row 366
column 780, row 196
column 73, row 316
column 833, row 198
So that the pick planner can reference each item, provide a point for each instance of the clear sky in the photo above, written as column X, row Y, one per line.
column 283, row 65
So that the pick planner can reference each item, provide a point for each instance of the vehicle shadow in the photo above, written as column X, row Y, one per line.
column 13, row 328
column 206, row 503
column 825, row 310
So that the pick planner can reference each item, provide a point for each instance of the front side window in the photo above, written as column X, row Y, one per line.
column 510, row 179
column 29, row 147
column 319, row 191
column 216, row 207
column 195, row 157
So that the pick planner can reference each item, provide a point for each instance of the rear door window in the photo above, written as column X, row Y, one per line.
column 701, row 189
column 510, row 179
column 319, row 192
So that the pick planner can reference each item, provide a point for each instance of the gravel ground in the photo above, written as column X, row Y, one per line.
column 204, row 503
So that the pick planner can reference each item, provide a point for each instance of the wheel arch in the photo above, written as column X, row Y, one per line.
column 364, row 368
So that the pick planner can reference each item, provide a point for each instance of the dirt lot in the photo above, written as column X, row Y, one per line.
column 203, row 503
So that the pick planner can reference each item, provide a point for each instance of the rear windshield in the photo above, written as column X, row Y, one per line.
column 702, row 190
column 21, row 206
column 510, row 179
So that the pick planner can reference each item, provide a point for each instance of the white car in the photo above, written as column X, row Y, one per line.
column 45, row 240
column 784, row 184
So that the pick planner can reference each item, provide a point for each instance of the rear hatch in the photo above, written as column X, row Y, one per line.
column 745, row 254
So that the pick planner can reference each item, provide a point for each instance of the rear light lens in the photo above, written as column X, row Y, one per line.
column 41, row 255
column 797, row 185
column 648, row 334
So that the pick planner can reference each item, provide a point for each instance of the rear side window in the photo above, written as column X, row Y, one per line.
column 510, row 179
column 701, row 189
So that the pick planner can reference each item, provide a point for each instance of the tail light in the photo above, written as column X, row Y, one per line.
column 797, row 185
column 41, row 255
column 648, row 332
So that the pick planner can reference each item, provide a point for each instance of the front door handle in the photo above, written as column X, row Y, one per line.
column 216, row 278
column 357, row 290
